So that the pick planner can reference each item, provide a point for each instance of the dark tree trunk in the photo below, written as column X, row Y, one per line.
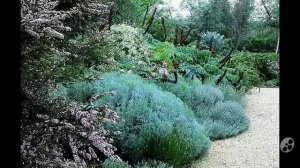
column 235, row 71
column 239, row 80
column 198, row 42
column 150, row 21
column 183, row 38
column 226, row 59
column 175, row 42
column 221, row 77
column 110, row 16
column 144, row 20
column 163, row 23
column 212, row 46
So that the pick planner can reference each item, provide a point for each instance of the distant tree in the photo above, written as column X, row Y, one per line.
column 271, row 9
column 217, row 17
column 241, row 14
column 132, row 12
column 214, row 15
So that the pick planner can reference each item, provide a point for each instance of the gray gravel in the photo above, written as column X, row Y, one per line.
column 256, row 148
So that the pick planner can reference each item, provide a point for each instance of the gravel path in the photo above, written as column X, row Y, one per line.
column 256, row 148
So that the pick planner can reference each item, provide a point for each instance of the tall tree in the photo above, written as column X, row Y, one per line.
column 271, row 9
column 241, row 14
column 131, row 12
column 217, row 17
column 213, row 15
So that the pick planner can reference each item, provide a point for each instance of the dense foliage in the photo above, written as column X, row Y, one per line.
column 221, row 116
column 152, row 164
column 131, row 12
column 260, row 67
column 121, row 84
column 262, row 41
column 157, row 124
column 108, row 163
column 221, row 42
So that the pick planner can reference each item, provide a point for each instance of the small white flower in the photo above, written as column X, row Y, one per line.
column 55, row 121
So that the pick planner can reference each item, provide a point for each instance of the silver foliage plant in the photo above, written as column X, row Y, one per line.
column 221, row 41
column 40, row 17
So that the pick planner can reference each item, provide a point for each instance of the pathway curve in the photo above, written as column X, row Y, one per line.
column 256, row 148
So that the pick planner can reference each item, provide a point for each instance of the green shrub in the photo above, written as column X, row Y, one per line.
column 244, row 70
column 262, row 41
column 202, row 57
column 45, row 68
column 258, row 67
column 108, row 163
column 123, row 48
column 166, row 52
column 211, row 66
column 163, row 52
column 190, row 71
column 221, row 116
column 91, row 50
column 157, row 125
column 80, row 92
column 189, row 54
column 271, row 83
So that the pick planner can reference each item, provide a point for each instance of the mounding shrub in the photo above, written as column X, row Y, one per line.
column 224, row 120
column 221, row 114
column 152, row 164
column 109, row 163
column 262, row 41
column 125, row 42
column 128, row 48
column 157, row 124
column 165, row 51
column 232, row 95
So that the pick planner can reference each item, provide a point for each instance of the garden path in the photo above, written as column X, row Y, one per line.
column 258, row 147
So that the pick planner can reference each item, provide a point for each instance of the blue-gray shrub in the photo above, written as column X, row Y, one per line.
column 157, row 124
column 152, row 164
column 108, row 163
column 222, row 115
